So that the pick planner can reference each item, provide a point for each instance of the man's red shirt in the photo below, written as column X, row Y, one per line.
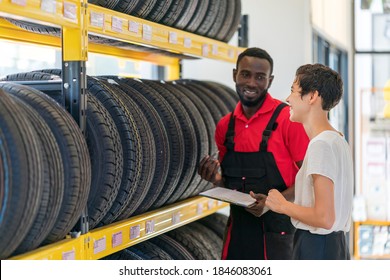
column 288, row 143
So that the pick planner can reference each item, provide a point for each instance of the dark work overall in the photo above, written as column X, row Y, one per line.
column 257, row 172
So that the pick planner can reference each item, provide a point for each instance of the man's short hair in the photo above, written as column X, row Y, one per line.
column 256, row 52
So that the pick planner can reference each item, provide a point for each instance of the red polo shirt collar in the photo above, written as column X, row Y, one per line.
column 267, row 106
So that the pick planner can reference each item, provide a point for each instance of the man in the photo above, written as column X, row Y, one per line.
column 256, row 153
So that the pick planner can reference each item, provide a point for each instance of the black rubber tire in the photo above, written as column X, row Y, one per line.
column 198, row 16
column 53, row 171
column 149, row 251
column 159, row 10
column 201, row 133
column 109, row 4
column 186, row 14
column 172, row 247
column 216, row 222
column 173, row 12
column 175, row 140
column 163, row 148
column 189, row 137
column 235, row 23
column 220, row 17
column 130, row 139
column 105, row 150
column 20, row 176
column 195, row 241
column 148, row 161
column 74, row 151
column 213, row 9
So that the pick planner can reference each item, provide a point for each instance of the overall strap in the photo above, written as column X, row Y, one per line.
column 270, row 127
column 229, row 138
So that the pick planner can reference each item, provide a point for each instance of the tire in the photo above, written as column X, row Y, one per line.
column 20, row 177
column 74, row 151
column 53, row 171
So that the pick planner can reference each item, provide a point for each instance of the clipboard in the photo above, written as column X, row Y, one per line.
column 230, row 196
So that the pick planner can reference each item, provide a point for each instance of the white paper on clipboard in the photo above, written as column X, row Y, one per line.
column 231, row 196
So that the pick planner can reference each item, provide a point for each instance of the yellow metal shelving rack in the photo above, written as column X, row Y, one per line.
column 77, row 19
column 112, row 238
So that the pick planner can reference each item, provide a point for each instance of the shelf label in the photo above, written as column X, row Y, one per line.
column 147, row 32
column 219, row 203
column 133, row 26
column 97, row 19
column 48, row 6
column 149, row 226
column 135, row 231
column 69, row 255
column 117, row 239
column 205, row 50
column 99, row 245
column 19, row 2
column 172, row 37
column 187, row 42
column 231, row 53
column 70, row 11
column 210, row 204
column 117, row 24
column 175, row 218
column 214, row 50
column 199, row 208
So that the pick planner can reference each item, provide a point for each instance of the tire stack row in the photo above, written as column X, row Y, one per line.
column 199, row 240
column 217, row 19
column 45, row 170
column 144, row 140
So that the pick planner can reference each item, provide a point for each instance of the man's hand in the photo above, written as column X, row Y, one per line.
column 258, row 208
column 209, row 170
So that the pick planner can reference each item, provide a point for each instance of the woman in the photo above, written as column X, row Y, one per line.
column 321, row 211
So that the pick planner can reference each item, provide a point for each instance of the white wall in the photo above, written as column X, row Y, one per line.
column 282, row 27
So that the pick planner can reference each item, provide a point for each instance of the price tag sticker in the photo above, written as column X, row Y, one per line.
column 172, row 37
column 199, row 208
column 97, row 19
column 133, row 26
column 116, row 24
column 175, row 218
column 48, row 6
column 210, row 204
column 19, row 2
column 231, row 53
column 214, row 50
column 187, row 42
column 69, row 255
column 99, row 245
column 70, row 11
column 149, row 226
column 117, row 239
column 205, row 50
column 147, row 32
column 135, row 231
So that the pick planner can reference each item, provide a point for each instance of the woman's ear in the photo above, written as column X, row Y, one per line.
column 314, row 96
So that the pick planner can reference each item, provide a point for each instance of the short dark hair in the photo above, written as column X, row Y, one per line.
column 256, row 52
column 321, row 78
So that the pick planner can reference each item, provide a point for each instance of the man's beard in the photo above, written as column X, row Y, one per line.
column 252, row 103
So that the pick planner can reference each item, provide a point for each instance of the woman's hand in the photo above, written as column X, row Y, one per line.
column 275, row 201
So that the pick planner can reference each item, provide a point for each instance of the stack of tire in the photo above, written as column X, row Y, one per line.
column 199, row 240
column 144, row 140
column 217, row 19
column 45, row 170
